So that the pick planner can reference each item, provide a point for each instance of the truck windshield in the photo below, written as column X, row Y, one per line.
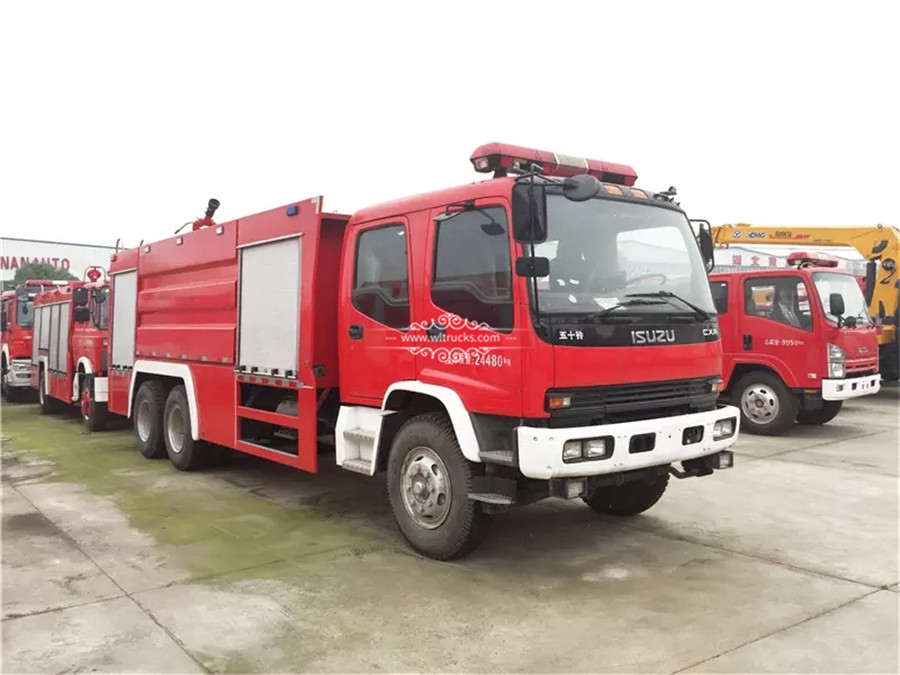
column 854, row 302
column 602, row 252
column 25, row 313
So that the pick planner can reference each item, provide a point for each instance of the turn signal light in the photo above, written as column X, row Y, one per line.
column 557, row 402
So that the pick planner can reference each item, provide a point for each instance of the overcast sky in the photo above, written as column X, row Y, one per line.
column 122, row 119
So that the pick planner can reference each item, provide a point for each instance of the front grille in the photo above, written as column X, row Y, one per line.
column 630, row 402
column 862, row 367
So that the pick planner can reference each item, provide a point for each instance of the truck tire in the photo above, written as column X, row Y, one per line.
column 429, row 481
column 889, row 362
column 185, row 453
column 148, row 414
column 826, row 413
column 47, row 403
column 628, row 499
column 768, row 407
column 93, row 414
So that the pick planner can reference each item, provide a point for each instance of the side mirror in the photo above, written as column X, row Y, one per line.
column 836, row 304
column 529, row 212
column 80, row 296
column 100, row 295
column 871, row 271
column 81, row 314
column 526, row 266
column 707, row 250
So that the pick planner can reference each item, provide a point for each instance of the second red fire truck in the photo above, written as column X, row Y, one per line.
column 548, row 332
column 70, row 349
column 797, row 342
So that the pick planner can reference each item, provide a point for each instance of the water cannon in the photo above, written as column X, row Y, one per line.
column 94, row 273
column 206, row 220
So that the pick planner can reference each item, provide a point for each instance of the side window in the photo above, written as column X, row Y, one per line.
column 472, row 270
column 781, row 299
column 720, row 295
column 381, row 281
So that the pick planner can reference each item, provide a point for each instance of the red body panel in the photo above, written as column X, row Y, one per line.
column 87, row 343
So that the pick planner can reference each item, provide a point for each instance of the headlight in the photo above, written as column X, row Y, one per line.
column 723, row 429
column 835, row 361
column 588, row 448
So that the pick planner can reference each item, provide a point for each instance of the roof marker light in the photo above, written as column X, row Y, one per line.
column 803, row 259
column 503, row 159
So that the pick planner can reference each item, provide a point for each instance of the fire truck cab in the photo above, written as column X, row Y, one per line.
column 547, row 332
column 69, row 354
column 797, row 342
column 16, row 329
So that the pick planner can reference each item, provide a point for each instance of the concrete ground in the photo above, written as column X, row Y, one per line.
column 786, row 563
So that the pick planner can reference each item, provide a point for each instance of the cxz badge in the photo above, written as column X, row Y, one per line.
column 652, row 337
column 711, row 332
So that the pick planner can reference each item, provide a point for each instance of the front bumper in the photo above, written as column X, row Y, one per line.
column 851, row 387
column 540, row 449
column 19, row 374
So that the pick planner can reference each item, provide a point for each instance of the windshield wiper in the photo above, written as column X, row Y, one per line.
column 637, row 300
column 668, row 295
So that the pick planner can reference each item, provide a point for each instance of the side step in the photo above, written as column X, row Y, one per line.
column 490, row 498
column 363, row 466
column 503, row 457
column 359, row 435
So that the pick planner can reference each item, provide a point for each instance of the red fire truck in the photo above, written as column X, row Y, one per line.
column 16, row 328
column 797, row 342
column 69, row 356
column 547, row 332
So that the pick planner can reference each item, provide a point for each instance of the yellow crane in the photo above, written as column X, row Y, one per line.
column 878, row 244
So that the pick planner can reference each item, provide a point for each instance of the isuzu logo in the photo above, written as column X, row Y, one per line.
column 650, row 337
column 863, row 350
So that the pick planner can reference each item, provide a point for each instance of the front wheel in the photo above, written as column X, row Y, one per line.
column 823, row 415
column 429, row 481
column 768, row 407
column 628, row 499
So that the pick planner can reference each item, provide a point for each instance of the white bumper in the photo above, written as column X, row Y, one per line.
column 19, row 374
column 540, row 449
column 852, row 387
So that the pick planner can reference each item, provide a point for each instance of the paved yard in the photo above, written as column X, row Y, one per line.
column 787, row 563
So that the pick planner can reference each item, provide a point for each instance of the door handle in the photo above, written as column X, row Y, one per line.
column 748, row 342
column 355, row 331
column 436, row 332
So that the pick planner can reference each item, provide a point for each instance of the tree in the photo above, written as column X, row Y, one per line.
column 37, row 270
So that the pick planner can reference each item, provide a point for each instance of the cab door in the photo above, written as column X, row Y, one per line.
column 782, row 339
column 375, row 322
column 467, row 316
column 729, row 323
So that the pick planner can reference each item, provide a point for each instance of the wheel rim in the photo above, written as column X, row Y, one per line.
column 144, row 421
column 425, row 486
column 175, row 429
column 86, row 404
column 760, row 403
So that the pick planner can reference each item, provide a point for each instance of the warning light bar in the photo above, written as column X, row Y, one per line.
column 803, row 259
column 502, row 159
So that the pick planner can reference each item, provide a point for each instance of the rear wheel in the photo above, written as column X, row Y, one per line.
column 429, row 481
column 826, row 413
column 186, row 453
column 148, row 414
column 93, row 413
column 48, row 404
column 767, row 406
column 628, row 499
